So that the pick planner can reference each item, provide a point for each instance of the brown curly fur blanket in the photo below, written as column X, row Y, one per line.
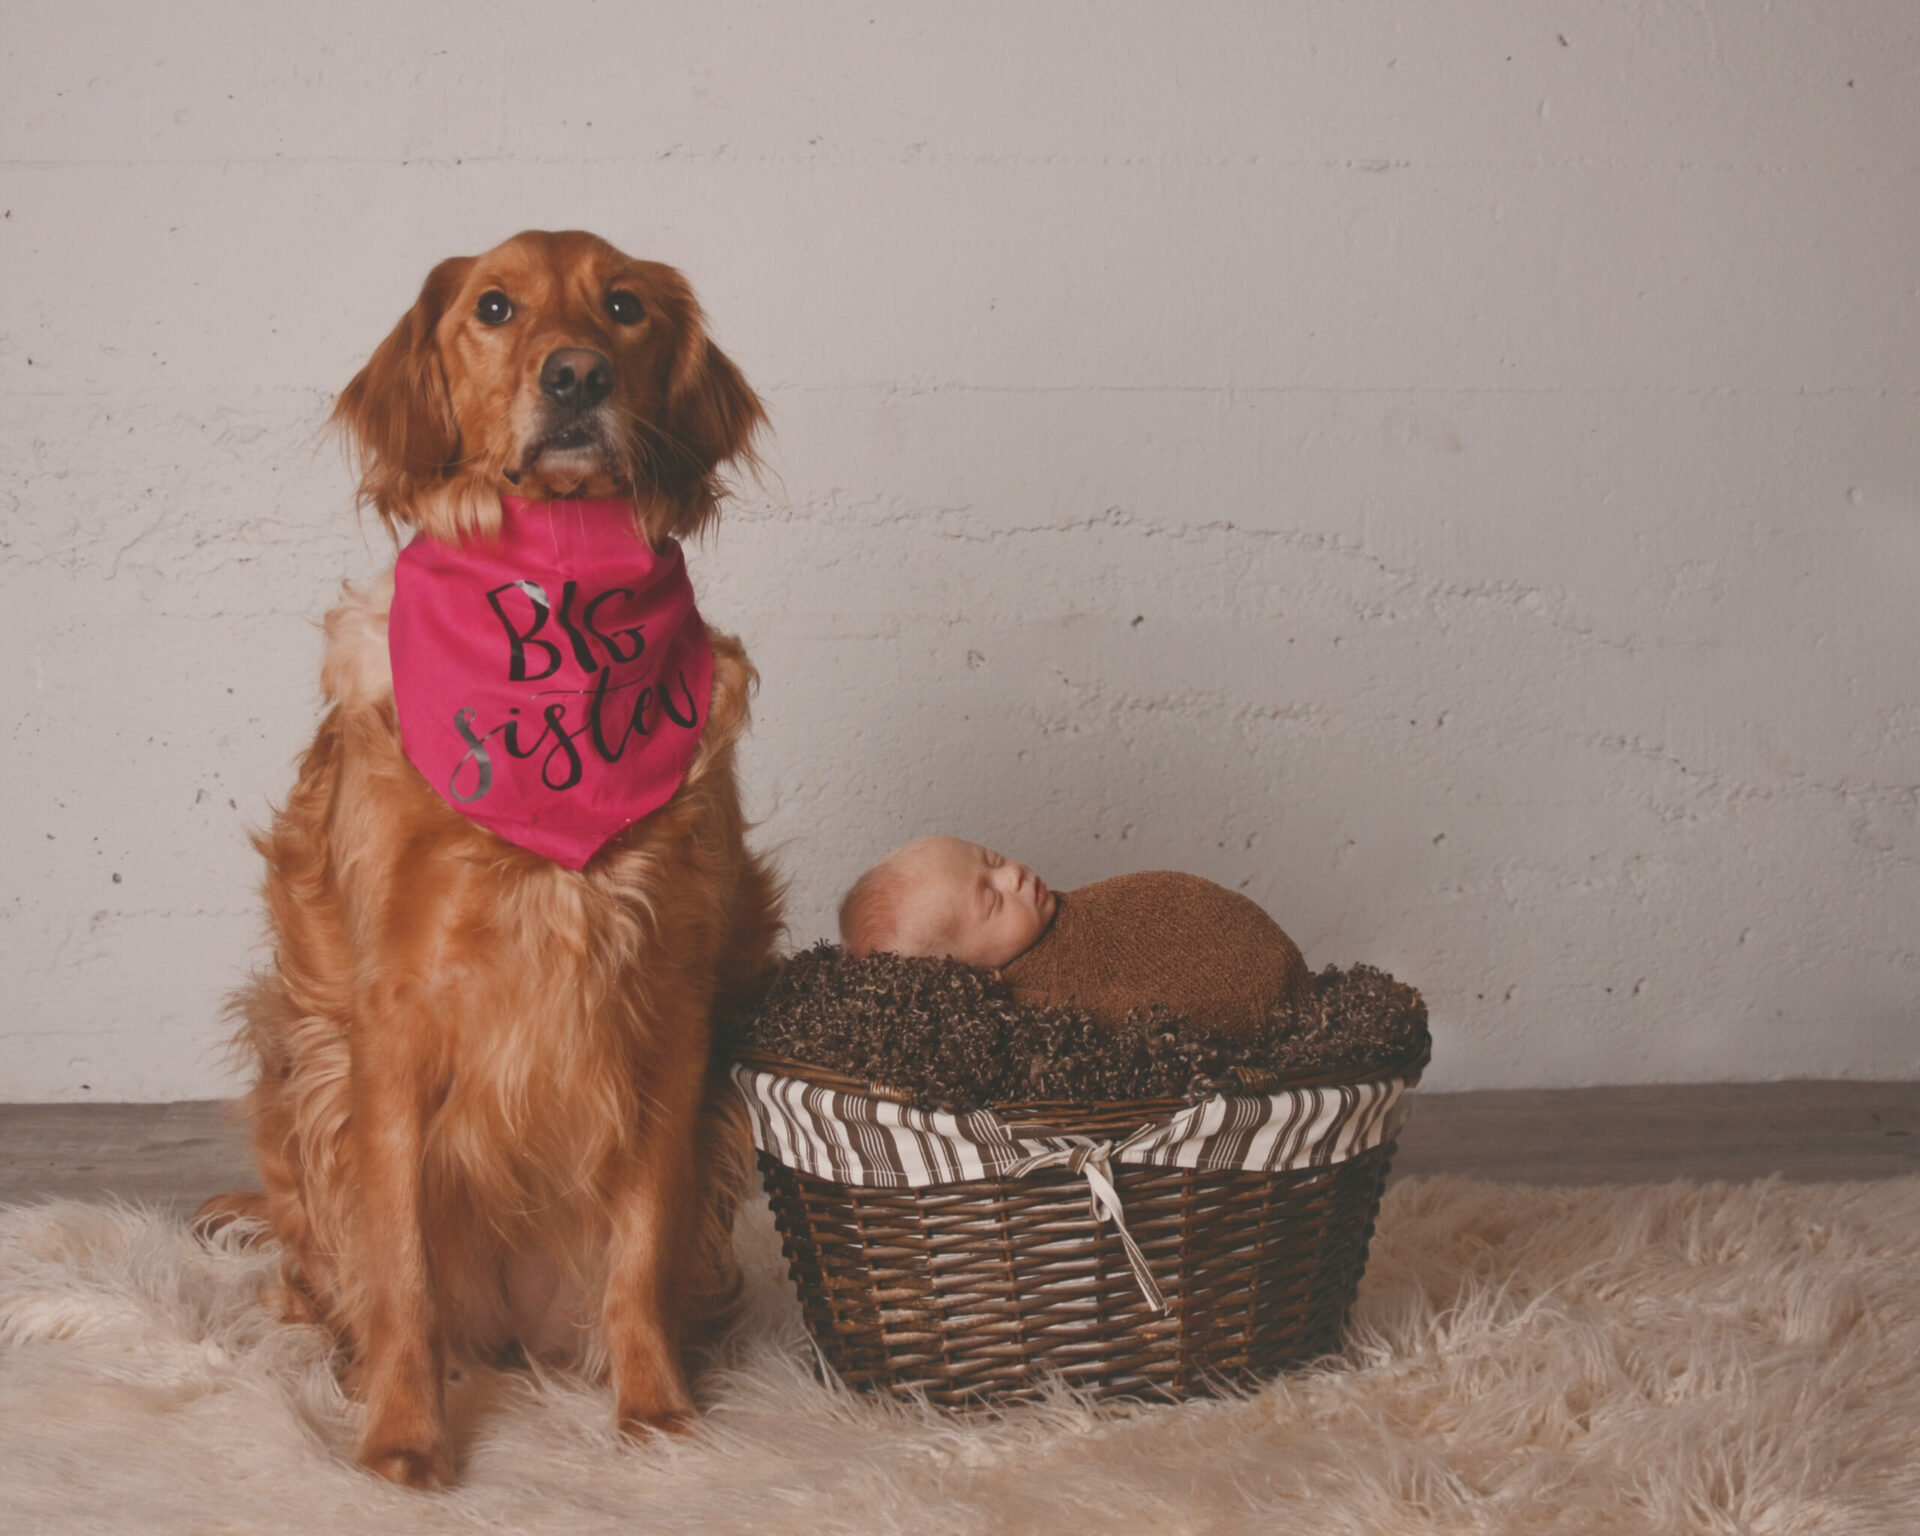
column 952, row 1037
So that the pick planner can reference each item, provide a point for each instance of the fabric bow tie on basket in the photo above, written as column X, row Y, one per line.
column 1093, row 1159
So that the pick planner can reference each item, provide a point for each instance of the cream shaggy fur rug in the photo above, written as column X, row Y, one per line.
column 1676, row 1359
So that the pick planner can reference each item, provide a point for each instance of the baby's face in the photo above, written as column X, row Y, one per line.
column 968, row 902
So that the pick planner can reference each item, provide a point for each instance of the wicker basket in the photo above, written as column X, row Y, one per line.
column 986, row 1289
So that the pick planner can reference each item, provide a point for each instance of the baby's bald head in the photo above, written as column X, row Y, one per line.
column 944, row 896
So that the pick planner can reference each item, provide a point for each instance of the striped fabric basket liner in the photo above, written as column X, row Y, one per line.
column 1143, row 1248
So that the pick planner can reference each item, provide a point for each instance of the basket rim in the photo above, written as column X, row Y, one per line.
column 1407, row 1067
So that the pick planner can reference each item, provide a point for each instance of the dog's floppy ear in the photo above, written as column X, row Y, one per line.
column 397, row 411
column 712, row 416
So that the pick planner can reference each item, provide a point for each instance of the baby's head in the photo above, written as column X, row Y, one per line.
column 942, row 896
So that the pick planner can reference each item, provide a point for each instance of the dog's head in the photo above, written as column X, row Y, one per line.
column 551, row 366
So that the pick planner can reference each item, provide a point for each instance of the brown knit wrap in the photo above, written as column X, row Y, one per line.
column 1167, row 940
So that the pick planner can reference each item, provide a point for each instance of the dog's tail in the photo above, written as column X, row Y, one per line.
column 222, row 1211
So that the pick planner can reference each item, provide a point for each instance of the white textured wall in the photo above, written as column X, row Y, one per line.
column 1452, row 471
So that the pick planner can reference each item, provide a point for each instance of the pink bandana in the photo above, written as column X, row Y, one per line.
column 552, row 684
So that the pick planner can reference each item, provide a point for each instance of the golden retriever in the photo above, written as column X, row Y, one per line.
column 484, row 1106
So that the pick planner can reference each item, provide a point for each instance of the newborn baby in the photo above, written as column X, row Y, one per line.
column 1178, row 941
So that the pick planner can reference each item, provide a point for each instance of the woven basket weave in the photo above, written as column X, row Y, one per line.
column 985, row 1290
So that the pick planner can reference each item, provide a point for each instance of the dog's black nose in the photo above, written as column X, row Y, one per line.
column 576, row 377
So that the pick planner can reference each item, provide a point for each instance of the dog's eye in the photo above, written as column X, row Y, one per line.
column 624, row 308
column 494, row 308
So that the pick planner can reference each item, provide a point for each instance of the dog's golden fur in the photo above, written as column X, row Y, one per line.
column 484, row 1108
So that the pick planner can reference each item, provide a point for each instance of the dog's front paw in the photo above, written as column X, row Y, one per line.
column 427, row 1469
column 406, row 1444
